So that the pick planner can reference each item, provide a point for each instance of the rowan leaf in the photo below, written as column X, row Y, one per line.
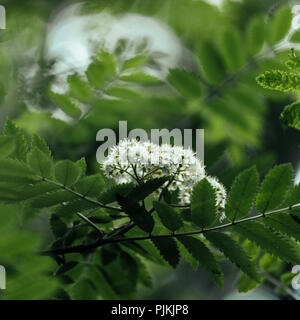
column 271, row 241
column 67, row 172
column 274, row 188
column 168, row 250
column 206, row 259
column 168, row 216
column 203, row 204
column 280, row 24
column 40, row 163
column 241, row 198
column 234, row 252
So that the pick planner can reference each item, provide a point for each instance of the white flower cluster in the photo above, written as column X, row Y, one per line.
column 135, row 161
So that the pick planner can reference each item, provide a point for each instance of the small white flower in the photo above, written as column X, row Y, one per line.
column 134, row 161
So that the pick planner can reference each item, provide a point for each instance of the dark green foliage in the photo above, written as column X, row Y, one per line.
column 232, row 48
column 242, row 194
column 186, row 83
column 10, row 129
column 274, row 188
column 236, row 254
column 66, row 104
column 280, row 24
column 284, row 223
column 58, row 227
column 67, row 172
column 168, row 250
column 137, row 214
column 211, row 62
column 256, row 34
column 90, row 186
column 203, row 204
column 7, row 146
column 205, row 258
column 211, row 85
column 290, row 116
column 111, row 194
column 143, row 190
column 40, row 163
column 168, row 216
column 270, row 241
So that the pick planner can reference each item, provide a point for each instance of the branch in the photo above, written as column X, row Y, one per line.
column 102, row 242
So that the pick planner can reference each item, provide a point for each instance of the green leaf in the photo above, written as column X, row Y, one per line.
column 141, row 78
column 168, row 250
column 101, row 69
column 40, row 163
column 232, row 48
column 68, row 210
column 293, row 62
column 81, row 163
column 79, row 89
column 284, row 223
column 58, row 227
column 110, row 195
column 7, row 146
column 280, row 24
column 203, row 204
column 10, row 129
column 28, row 273
column 211, row 62
column 274, row 188
column 67, row 172
column 270, row 263
column 234, row 252
column 122, row 274
column 241, row 198
column 185, row 82
column 279, row 80
column 40, row 144
column 295, row 37
column 270, row 241
column 13, row 171
column 143, row 190
column 168, row 216
column 206, row 259
column 293, row 196
column 66, row 267
column 290, row 116
column 122, row 92
column 90, row 186
column 255, row 34
column 144, row 276
column 287, row 278
column 185, row 254
column 83, row 289
column 246, row 284
column 65, row 104
column 137, row 213
column 52, row 199
column 135, row 62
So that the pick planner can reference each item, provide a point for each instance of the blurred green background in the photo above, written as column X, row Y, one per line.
column 194, row 65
